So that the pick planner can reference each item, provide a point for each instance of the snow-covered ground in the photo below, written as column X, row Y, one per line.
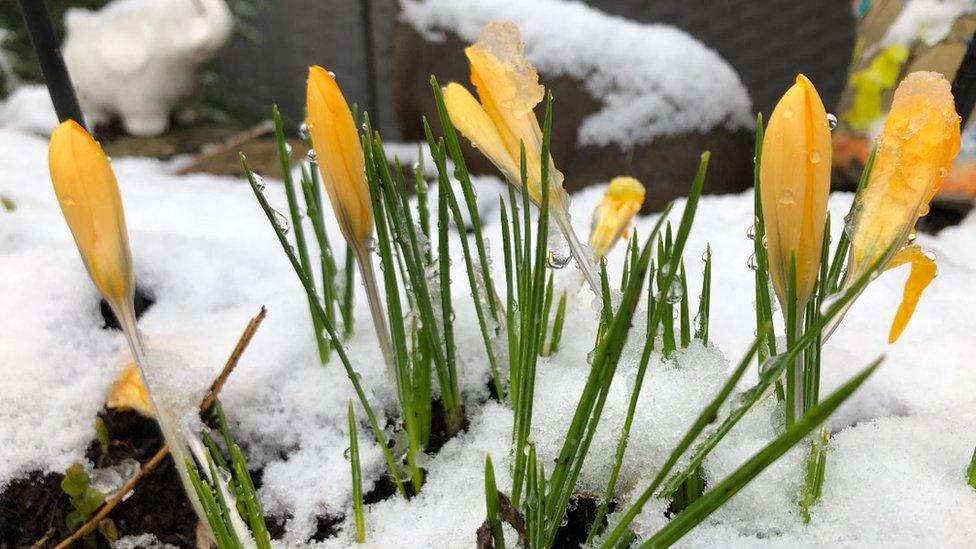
column 202, row 247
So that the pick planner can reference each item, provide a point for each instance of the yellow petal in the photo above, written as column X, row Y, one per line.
column 129, row 393
column 915, row 150
column 89, row 197
column 470, row 119
column 340, row 156
column 923, row 271
column 508, row 87
column 794, row 185
column 611, row 219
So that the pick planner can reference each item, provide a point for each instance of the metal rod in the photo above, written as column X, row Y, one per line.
column 964, row 84
column 48, row 51
column 369, row 52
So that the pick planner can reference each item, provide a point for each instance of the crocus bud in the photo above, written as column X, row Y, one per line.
column 128, row 392
column 794, row 184
column 340, row 156
column 611, row 219
column 915, row 151
column 89, row 197
column 508, row 88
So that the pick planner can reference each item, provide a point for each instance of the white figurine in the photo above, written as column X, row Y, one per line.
column 138, row 59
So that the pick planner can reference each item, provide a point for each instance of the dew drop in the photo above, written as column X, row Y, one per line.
column 675, row 293
column 303, row 131
column 931, row 256
column 751, row 232
column 815, row 156
column 259, row 182
column 371, row 244
column 345, row 453
column 831, row 121
column 923, row 210
column 912, row 236
column 751, row 262
column 312, row 157
column 786, row 197
column 787, row 113
column 288, row 149
column 282, row 222
column 557, row 262
column 332, row 74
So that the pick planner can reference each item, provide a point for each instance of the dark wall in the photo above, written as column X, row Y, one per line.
column 766, row 41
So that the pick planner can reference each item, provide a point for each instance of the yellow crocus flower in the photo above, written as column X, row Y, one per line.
column 341, row 162
column 92, row 206
column 340, row 156
column 611, row 219
column 794, row 184
column 88, row 193
column 502, row 121
column 508, row 88
column 129, row 393
column 916, row 148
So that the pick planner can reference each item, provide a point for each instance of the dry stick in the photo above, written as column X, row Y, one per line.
column 233, row 143
column 150, row 466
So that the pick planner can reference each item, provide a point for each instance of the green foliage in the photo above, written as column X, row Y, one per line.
column 85, row 501
column 357, row 478
column 227, row 492
column 307, row 283
column 101, row 436
column 492, row 505
column 972, row 471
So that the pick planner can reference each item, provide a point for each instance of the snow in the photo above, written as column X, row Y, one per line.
column 204, row 250
column 28, row 108
column 653, row 80
column 927, row 21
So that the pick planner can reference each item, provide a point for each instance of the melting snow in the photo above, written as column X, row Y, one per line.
column 204, row 250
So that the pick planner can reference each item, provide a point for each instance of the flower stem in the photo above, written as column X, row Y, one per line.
column 376, row 310
column 583, row 259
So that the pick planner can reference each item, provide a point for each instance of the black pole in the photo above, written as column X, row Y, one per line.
column 369, row 51
column 964, row 84
column 48, row 51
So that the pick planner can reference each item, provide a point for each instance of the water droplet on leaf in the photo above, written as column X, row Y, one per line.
column 282, row 222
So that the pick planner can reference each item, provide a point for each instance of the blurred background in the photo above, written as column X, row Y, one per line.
column 383, row 52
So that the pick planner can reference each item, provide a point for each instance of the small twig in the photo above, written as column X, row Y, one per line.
column 150, row 466
column 231, row 144
column 508, row 513
column 39, row 544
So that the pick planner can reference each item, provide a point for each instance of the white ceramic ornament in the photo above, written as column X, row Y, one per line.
column 139, row 59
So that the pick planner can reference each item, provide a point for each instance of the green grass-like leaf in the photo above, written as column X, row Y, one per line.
column 357, row 478
column 728, row 487
column 492, row 505
column 306, row 281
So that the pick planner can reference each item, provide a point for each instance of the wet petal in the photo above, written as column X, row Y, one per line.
column 129, row 393
column 611, row 219
column 340, row 155
column 923, row 272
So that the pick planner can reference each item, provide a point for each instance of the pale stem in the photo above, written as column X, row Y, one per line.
column 172, row 434
column 583, row 259
column 376, row 309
